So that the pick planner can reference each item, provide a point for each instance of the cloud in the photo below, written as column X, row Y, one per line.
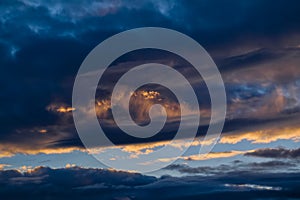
column 62, row 139
column 54, row 139
column 54, row 38
column 2, row 166
column 271, row 164
column 257, row 53
column 213, row 155
column 275, row 153
column 9, row 150
column 207, row 170
column 72, row 179
column 76, row 183
column 253, row 186
column 235, row 167
column 268, row 133
column 59, row 108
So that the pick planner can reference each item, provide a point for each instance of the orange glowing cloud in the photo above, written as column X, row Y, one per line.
column 199, row 157
column 60, row 108
column 68, row 165
column 142, row 101
column 135, row 150
column 102, row 107
column 43, row 131
column 65, row 109
column 3, row 165
column 213, row 155
column 150, row 94
column 9, row 150
column 263, row 136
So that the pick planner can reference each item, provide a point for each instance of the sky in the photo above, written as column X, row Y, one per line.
column 256, row 47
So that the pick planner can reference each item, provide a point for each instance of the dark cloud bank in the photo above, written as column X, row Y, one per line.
column 42, row 45
column 80, row 183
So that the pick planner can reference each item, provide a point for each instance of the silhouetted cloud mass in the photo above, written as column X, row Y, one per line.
column 42, row 45
column 78, row 183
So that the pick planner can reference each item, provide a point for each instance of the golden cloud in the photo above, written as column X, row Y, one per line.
column 263, row 136
column 3, row 165
column 143, row 100
column 213, row 155
column 135, row 150
column 59, row 108
column 68, row 165
column 199, row 157
column 43, row 131
column 65, row 109
column 150, row 94
column 9, row 150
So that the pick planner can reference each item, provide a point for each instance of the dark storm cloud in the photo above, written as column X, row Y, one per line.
column 78, row 183
column 275, row 153
column 42, row 44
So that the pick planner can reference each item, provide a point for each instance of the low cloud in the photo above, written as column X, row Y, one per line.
column 78, row 183
column 235, row 167
column 275, row 153
column 213, row 155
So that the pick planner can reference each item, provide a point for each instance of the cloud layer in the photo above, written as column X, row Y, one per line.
column 42, row 45
column 275, row 153
column 78, row 183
